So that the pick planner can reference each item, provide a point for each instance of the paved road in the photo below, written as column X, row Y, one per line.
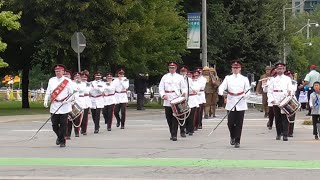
column 143, row 151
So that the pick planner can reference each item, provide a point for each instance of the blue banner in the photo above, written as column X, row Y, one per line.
column 194, row 30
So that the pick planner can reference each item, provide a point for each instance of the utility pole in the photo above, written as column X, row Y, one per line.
column 204, row 34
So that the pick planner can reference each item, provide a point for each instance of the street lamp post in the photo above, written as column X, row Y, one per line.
column 284, row 27
column 204, row 34
column 308, row 25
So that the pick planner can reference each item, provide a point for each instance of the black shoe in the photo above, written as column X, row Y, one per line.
column 214, row 116
column 278, row 137
column 206, row 117
column 68, row 137
column 270, row 127
column 316, row 137
column 96, row 131
column 308, row 114
column 171, row 138
column 57, row 141
column 285, row 138
column 122, row 127
column 200, row 127
column 232, row 141
column 237, row 145
column 84, row 133
column 290, row 135
column 190, row 134
column 118, row 124
column 174, row 139
column 109, row 129
column 183, row 134
column 77, row 135
column 62, row 144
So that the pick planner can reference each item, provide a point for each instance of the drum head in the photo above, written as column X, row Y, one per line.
column 177, row 100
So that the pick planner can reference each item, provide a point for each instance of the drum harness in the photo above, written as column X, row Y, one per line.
column 187, row 113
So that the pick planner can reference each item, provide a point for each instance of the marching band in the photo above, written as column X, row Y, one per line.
column 187, row 98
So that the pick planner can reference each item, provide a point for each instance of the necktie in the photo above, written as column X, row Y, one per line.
column 316, row 103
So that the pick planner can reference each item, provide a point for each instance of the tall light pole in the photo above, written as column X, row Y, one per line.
column 204, row 34
column 284, row 28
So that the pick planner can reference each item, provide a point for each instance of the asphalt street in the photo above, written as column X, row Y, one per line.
column 143, row 151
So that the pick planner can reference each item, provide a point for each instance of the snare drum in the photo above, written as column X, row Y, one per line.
column 179, row 106
column 289, row 105
column 76, row 111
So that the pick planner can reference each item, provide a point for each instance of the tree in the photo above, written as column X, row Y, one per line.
column 245, row 29
column 9, row 20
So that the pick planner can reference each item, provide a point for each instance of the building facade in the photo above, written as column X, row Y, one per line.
column 307, row 6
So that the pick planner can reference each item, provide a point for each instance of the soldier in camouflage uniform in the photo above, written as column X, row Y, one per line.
column 211, row 91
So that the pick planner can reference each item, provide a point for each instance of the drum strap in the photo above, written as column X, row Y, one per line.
column 59, row 89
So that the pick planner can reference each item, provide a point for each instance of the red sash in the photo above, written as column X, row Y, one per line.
column 59, row 89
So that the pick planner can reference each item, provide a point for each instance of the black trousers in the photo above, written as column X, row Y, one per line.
column 291, row 124
column 315, row 120
column 140, row 101
column 271, row 116
column 59, row 125
column 84, row 123
column 281, row 122
column 235, row 123
column 190, row 121
column 120, row 107
column 201, row 108
column 108, row 115
column 172, row 122
column 76, row 121
column 96, row 118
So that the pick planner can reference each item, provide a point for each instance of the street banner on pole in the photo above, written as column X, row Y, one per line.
column 193, row 40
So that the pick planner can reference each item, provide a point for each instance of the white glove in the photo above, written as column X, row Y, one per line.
column 45, row 104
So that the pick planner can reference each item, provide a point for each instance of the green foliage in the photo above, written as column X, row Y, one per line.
column 38, row 77
column 9, row 20
column 303, row 53
column 133, row 34
column 245, row 29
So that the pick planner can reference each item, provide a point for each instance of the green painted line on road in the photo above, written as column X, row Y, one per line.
column 160, row 162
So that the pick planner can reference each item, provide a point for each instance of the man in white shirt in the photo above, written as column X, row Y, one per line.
column 202, row 82
column 59, row 92
column 121, row 84
column 279, row 88
column 86, row 102
column 312, row 77
column 79, row 88
column 109, row 101
column 97, row 100
column 237, row 87
column 171, row 86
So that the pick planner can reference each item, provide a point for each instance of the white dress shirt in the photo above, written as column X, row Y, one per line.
column 54, row 82
column 86, row 95
column 96, row 94
column 109, row 94
column 171, row 85
column 202, row 82
column 279, row 88
column 236, row 85
column 80, row 88
column 194, row 89
column 121, row 87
